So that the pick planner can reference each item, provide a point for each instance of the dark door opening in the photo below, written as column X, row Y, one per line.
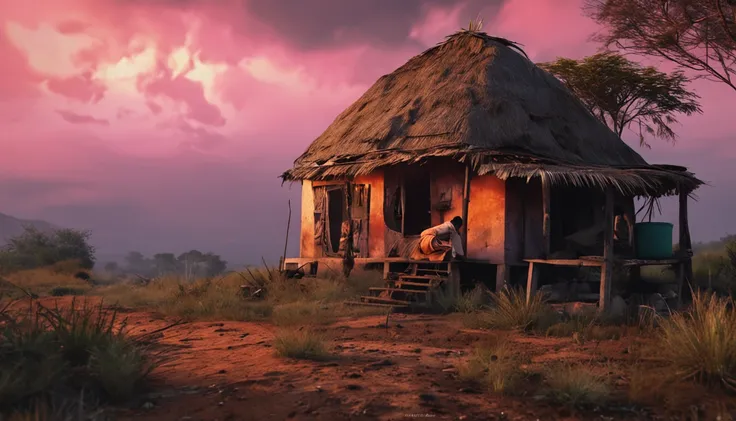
column 336, row 207
column 417, row 203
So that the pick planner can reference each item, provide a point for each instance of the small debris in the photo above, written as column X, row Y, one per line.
column 468, row 390
column 353, row 387
column 220, row 403
column 217, row 325
column 222, row 372
column 427, row 397
column 451, row 370
column 273, row 373
column 292, row 414
column 148, row 405
column 354, row 376
column 399, row 326
column 417, row 350
column 244, row 335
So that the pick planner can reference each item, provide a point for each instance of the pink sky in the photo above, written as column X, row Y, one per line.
column 164, row 124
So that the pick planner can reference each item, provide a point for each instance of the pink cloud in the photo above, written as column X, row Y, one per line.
column 75, row 118
column 81, row 88
column 251, row 85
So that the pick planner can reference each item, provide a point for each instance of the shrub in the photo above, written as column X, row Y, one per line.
column 701, row 343
column 50, row 353
column 494, row 365
column 300, row 344
column 576, row 385
column 510, row 310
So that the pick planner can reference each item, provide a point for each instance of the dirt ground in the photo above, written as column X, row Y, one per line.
column 228, row 371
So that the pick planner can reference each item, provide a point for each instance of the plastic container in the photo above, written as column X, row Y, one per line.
column 653, row 240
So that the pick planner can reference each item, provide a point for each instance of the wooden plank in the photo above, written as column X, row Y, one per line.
column 532, row 281
column 607, row 268
column 546, row 229
column 681, row 269
column 685, row 247
column 566, row 262
column 501, row 275
column 466, row 202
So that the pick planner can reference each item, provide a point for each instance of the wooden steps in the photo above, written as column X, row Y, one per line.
column 415, row 287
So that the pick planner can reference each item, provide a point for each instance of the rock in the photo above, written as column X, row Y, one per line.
column 222, row 372
column 417, row 350
column 657, row 302
column 147, row 405
column 354, row 376
column 618, row 308
column 353, row 387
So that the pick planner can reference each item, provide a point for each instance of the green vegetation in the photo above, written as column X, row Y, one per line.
column 576, row 385
column 36, row 249
column 81, row 350
column 623, row 94
column 493, row 365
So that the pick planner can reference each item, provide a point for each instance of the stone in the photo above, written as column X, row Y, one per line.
column 618, row 308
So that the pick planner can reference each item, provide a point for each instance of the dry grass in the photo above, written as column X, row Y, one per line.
column 42, row 282
column 493, row 365
column 285, row 301
column 510, row 310
column 576, row 385
column 302, row 344
column 700, row 344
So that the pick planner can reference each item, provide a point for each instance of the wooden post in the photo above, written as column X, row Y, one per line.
column 501, row 276
column 466, row 201
column 546, row 210
column 685, row 249
column 532, row 281
column 454, row 279
column 607, row 268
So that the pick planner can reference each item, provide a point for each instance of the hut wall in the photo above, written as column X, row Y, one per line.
column 524, row 219
column 376, row 224
column 486, row 219
column 447, row 180
column 306, row 237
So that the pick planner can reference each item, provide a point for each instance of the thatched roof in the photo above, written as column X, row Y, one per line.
column 478, row 99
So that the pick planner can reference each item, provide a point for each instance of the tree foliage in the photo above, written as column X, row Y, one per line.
column 34, row 248
column 699, row 35
column 624, row 94
column 191, row 264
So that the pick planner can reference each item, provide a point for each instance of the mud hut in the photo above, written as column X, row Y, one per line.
column 472, row 127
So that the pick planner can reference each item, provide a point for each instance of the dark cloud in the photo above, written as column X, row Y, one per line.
column 74, row 118
column 325, row 23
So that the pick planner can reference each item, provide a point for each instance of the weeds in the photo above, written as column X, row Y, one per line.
column 576, row 385
column 47, row 353
column 701, row 343
column 494, row 366
column 300, row 344
column 510, row 310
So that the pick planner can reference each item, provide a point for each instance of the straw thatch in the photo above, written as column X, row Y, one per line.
column 476, row 99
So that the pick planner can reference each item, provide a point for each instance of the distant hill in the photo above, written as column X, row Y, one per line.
column 11, row 226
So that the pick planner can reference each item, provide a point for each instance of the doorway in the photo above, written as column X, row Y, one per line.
column 417, row 202
column 335, row 211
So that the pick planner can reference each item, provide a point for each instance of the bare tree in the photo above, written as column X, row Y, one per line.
column 698, row 35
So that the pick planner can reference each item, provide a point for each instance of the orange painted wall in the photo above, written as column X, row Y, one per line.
column 450, row 175
column 486, row 218
column 306, row 237
column 376, row 225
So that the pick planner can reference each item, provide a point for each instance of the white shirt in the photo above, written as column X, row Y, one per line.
column 446, row 231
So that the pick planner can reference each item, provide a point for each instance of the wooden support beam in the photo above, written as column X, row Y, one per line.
column 546, row 193
column 466, row 202
column 607, row 268
column 532, row 281
column 453, row 279
column 501, row 275
column 686, row 249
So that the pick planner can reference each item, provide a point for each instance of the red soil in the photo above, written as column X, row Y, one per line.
column 228, row 371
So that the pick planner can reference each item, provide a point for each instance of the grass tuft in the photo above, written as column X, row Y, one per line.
column 493, row 365
column 700, row 344
column 576, row 385
column 302, row 344
column 510, row 310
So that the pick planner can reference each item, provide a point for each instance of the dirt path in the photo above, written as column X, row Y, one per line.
column 228, row 371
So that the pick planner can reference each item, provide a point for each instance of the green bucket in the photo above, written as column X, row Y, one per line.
column 653, row 240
